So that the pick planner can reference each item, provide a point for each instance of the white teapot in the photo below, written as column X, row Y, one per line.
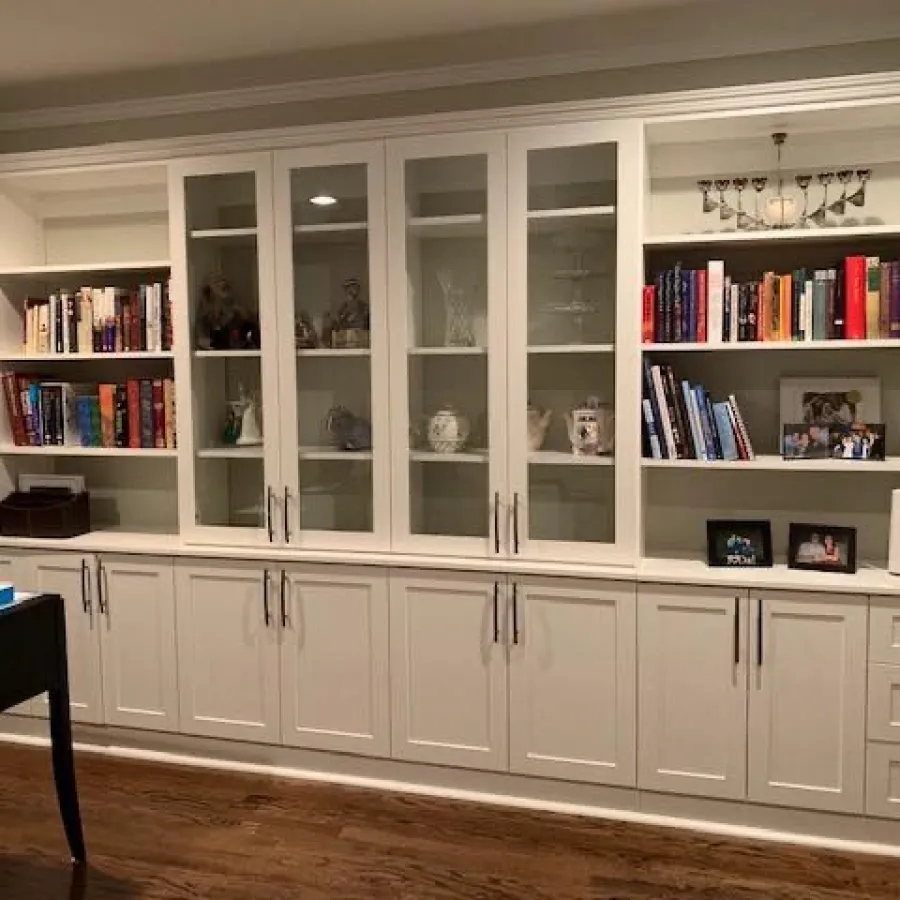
column 538, row 421
column 448, row 430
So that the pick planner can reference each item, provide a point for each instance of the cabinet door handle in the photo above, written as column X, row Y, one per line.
column 515, row 523
column 496, row 612
column 737, row 631
column 515, row 612
column 284, row 615
column 267, row 615
column 85, row 587
column 270, row 522
column 496, row 522
column 759, row 631
column 102, row 604
column 287, row 514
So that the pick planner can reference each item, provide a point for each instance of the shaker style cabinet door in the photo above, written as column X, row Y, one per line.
column 334, row 659
column 72, row 576
column 333, row 346
column 448, row 670
column 572, row 680
column 692, row 699
column 807, row 716
column 884, row 631
column 228, row 651
column 137, row 630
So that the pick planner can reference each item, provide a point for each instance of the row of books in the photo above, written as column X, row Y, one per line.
column 137, row 414
column 100, row 320
column 857, row 300
column 681, row 421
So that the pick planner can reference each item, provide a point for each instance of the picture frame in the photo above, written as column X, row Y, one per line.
column 831, row 401
column 822, row 548
column 739, row 543
column 859, row 442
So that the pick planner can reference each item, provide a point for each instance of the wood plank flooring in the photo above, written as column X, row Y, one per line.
column 159, row 832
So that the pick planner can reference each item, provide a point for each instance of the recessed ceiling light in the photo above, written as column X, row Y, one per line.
column 323, row 200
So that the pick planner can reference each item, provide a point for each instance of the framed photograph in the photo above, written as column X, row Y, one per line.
column 860, row 441
column 834, row 402
column 802, row 441
column 738, row 543
column 822, row 548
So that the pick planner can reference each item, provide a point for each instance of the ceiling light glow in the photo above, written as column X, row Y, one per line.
column 323, row 200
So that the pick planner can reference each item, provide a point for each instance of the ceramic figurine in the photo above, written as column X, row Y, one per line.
column 351, row 329
column 232, row 430
column 221, row 324
column 591, row 428
column 350, row 432
column 448, row 430
column 305, row 337
column 251, row 433
column 538, row 421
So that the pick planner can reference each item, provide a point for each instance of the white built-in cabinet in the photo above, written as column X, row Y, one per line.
column 758, row 695
column 542, row 675
column 284, row 655
column 120, row 634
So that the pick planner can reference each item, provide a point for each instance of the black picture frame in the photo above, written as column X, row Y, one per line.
column 822, row 548
column 739, row 543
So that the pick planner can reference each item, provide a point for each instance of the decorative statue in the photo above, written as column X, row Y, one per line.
column 305, row 337
column 221, row 323
column 351, row 326
column 251, row 433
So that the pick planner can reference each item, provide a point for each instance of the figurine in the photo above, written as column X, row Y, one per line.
column 251, row 433
column 221, row 324
column 350, row 432
column 351, row 329
column 538, row 421
column 591, row 428
column 305, row 337
column 232, row 430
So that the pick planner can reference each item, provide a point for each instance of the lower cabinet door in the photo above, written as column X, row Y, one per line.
column 572, row 680
column 335, row 659
column 448, row 669
column 71, row 575
column 807, row 717
column 137, row 629
column 692, row 690
column 227, row 627
column 883, row 780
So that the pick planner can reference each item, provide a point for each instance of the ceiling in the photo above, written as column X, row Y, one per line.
column 45, row 40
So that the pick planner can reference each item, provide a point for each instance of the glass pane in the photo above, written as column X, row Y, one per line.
column 223, row 288
column 332, row 341
column 447, row 251
column 571, row 334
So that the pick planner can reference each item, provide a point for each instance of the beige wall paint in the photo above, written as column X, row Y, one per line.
column 845, row 59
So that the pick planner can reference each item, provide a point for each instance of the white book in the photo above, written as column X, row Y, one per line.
column 97, row 307
column 663, row 407
column 43, row 328
column 66, row 335
column 715, row 309
column 52, row 327
column 808, row 311
column 735, row 295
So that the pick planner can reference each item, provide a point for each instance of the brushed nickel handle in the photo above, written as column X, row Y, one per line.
column 270, row 523
column 85, row 587
column 267, row 615
column 284, row 615
column 737, row 631
column 515, row 612
column 287, row 515
column 516, row 522
column 496, row 612
column 497, row 522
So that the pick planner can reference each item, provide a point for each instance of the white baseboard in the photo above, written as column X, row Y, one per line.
column 845, row 833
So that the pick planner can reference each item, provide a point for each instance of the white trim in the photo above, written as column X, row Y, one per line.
column 489, row 798
column 859, row 90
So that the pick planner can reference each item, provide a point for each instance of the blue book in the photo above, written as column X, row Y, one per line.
column 711, row 418
column 706, row 424
column 652, row 432
column 693, row 421
column 37, row 420
column 83, row 414
column 725, row 431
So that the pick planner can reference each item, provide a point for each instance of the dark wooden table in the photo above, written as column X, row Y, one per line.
column 33, row 660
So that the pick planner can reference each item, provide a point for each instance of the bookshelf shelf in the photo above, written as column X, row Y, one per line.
column 118, row 452
column 548, row 221
column 255, row 452
column 447, row 351
column 795, row 235
column 334, row 352
column 152, row 265
column 760, row 346
column 777, row 464
column 227, row 354
column 560, row 458
column 43, row 358
column 467, row 225
column 553, row 349
column 429, row 456
column 223, row 234
column 326, row 232
column 333, row 454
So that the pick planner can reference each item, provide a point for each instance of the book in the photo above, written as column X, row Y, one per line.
column 706, row 426
column 711, row 420
column 702, row 306
column 133, row 395
column 741, row 427
column 107, row 401
column 734, row 314
column 725, row 431
column 169, row 412
column 666, row 414
column 653, row 395
column 785, row 316
column 894, row 330
column 677, row 413
column 159, row 422
column 738, row 439
column 652, row 434
column 855, row 292
column 146, row 413
column 696, row 446
column 884, row 300
column 648, row 306
column 873, row 297
column 121, row 416
column 715, row 280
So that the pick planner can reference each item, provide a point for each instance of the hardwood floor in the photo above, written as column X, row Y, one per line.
column 159, row 832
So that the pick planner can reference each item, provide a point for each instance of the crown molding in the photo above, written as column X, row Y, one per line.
column 774, row 97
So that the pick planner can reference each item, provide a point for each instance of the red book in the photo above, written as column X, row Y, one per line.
column 107, row 394
column 855, row 287
column 133, row 393
column 648, row 308
column 159, row 415
column 14, row 409
column 702, row 300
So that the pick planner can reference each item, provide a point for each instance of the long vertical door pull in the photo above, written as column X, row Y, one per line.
column 496, row 612
column 284, row 615
column 515, row 612
column 737, row 631
column 266, row 614
column 759, row 632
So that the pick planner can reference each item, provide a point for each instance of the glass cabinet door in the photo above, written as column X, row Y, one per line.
column 225, row 258
column 331, row 251
column 448, row 359
column 566, row 263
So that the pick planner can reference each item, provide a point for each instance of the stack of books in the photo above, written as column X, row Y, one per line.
column 859, row 299
column 682, row 422
column 99, row 320
column 137, row 414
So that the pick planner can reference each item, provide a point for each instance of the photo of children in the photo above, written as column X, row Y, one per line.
column 822, row 547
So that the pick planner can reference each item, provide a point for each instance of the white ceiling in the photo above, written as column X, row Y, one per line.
column 51, row 39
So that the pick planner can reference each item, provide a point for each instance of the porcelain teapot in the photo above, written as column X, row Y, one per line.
column 538, row 420
column 591, row 428
column 448, row 430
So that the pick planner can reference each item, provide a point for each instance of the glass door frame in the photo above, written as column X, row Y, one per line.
column 260, row 165
column 372, row 155
column 628, row 135
column 491, row 145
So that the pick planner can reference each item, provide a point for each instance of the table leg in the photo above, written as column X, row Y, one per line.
column 64, row 771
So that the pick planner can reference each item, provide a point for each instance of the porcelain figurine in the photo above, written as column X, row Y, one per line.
column 251, row 433
column 591, row 428
column 448, row 430
column 351, row 328
column 349, row 431
column 538, row 422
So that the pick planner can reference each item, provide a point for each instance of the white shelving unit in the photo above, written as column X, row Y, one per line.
column 782, row 346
